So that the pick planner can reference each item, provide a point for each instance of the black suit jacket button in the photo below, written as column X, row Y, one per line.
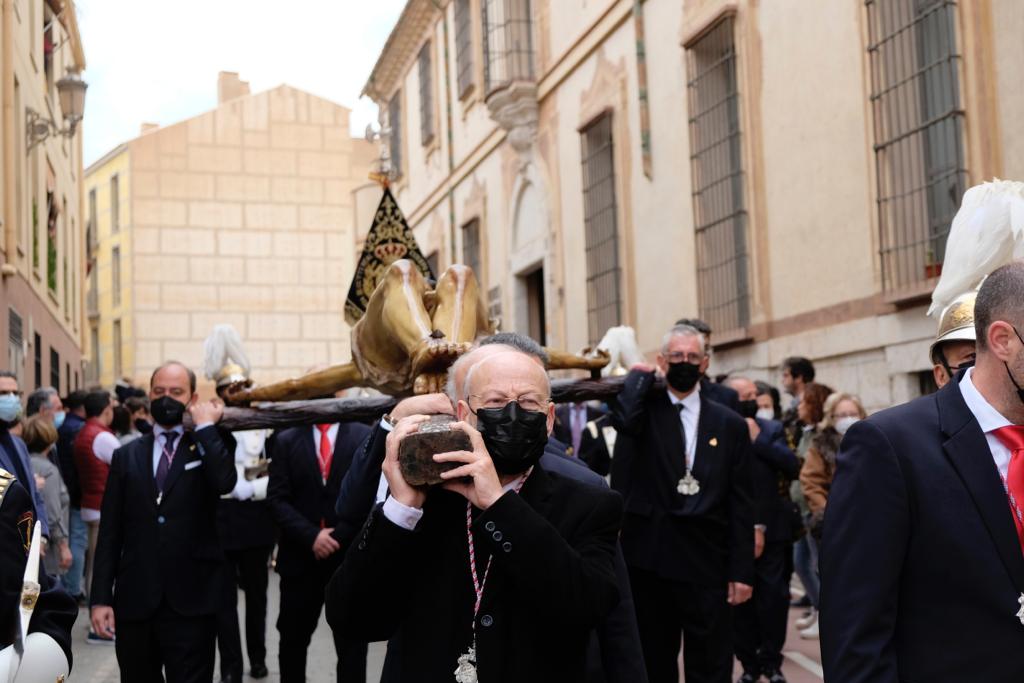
column 161, row 519
column 506, row 546
column 362, row 545
column 489, row 526
column 486, row 620
column 497, row 536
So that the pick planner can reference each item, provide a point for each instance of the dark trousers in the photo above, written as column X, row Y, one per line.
column 246, row 569
column 760, row 623
column 180, row 646
column 666, row 610
column 302, row 600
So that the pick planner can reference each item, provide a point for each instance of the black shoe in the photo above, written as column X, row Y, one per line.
column 774, row 676
column 802, row 602
column 259, row 671
column 748, row 677
column 231, row 678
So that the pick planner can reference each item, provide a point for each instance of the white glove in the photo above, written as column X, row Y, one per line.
column 243, row 489
column 259, row 488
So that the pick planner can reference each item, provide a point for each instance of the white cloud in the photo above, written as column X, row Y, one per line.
column 150, row 61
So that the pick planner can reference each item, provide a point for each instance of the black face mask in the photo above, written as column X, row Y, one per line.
column 1020, row 392
column 143, row 426
column 748, row 408
column 682, row 376
column 514, row 437
column 167, row 412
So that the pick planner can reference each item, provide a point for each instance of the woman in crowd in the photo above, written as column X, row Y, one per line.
column 805, row 551
column 841, row 412
column 40, row 435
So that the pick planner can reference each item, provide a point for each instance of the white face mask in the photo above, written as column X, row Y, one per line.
column 844, row 423
column 765, row 414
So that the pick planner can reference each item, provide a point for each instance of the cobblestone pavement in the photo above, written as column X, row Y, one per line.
column 97, row 664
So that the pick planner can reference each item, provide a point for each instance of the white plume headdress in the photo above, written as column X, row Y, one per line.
column 987, row 232
column 623, row 351
column 224, row 356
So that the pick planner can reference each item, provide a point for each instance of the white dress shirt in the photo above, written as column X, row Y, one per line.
column 408, row 517
column 690, row 417
column 158, row 443
column 990, row 420
column 103, row 447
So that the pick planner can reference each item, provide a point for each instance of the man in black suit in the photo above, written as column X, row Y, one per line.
column 579, row 426
column 922, row 570
column 158, row 572
column 760, row 624
column 682, row 464
column 797, row 373
column 307, row 465
column 719, row 393
column 502, row 571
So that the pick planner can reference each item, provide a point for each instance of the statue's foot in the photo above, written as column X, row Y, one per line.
column 430, row 383
column 592, row 359
column 237, row 393
column 434, row 355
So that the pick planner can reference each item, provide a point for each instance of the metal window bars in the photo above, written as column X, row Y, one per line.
column 426, row 78
column 471, row 249
column 464, row 45
column 720, row 217
column 600, row 221
column 395, row 135
column 918, row 130
column 508, row 43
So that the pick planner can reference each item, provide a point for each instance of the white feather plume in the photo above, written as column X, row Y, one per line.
column 223, row 344
column 987, row 232
column 624, row 352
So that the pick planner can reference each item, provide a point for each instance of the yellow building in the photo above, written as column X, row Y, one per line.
column 41, row 244
column 241, row 215
column 785, row 170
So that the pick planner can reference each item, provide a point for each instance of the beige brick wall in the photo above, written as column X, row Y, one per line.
column 243, row 216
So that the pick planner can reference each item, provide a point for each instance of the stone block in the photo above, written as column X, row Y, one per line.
column 297, row 190
column 336, row 139
column 187, row 241
column 189, row 352
column 146, row 240
column 216, row 270
column 160, row 268
column 324, row 218
column 255, row 111
column 272, row 271
column 227, row 124
column 323, row 165
column 314, row 271
column 200, row 130
column 254, row 139
column 148, row 355
column 282, row 104
column 261, row 354
column 271, row 216
column 340, row 351
column 173, row 162
column 270, row 161
column 301, row 354
column 214, row 159
column 275, row 326
column 145, row 297
column 158, row 212
column 175, row 185
column 245, row 244
column 329, row 326
column 161, row 325
column 203, row 324
column 243, row 188
column 321, row 111
column 303, row 299
column 247, row 298
column 296, row 136
column 179, row 296
column 172, row 139
column 293, row 244
column 338, row 192
column 215, row 214
column 146, row 184
column 338, row 245
column 145, row 153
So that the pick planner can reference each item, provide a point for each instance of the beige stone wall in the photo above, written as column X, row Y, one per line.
column 244, row 215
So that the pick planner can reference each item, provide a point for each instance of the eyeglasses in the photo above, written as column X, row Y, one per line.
column 532, row 402
column 10, row 392
column 679, row 357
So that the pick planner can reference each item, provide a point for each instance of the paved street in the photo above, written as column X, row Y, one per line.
column 97, row 664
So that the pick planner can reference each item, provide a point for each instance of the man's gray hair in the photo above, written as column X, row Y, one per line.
column 37, row 399
column 683, row 331
column 519, row 342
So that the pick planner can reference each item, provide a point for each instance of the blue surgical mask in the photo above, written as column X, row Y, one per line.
column 10, row 408
column 58, row 419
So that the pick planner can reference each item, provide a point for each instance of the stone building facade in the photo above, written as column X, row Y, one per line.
column 785, row 170
column 42, row 246
column 241, row 215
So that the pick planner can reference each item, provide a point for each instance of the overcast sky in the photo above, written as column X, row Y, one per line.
column 150, row 61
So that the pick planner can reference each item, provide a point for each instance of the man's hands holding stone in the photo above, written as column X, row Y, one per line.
column 476, row 479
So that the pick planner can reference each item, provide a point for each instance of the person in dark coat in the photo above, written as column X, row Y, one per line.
column 78, row 535
column 307, row 465
column 922, row 556
column 721, row 394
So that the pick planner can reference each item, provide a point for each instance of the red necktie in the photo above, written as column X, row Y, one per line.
column 326, row 452
column 1013, row 438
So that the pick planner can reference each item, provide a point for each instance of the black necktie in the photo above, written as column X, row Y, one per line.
column 682, row 428
column 164, row 466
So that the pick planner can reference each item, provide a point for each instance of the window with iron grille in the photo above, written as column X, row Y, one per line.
column 471, row 248
column 15, row 345
column 719, row 216
column 395, row 143
column 918, row 130
column 115, row 204
column 37, row 356
column 54, row 369
column 426, row 71
column 115, row 275
column 508, row 42
column 600, row 227
column 117, row 349
column 464, row 45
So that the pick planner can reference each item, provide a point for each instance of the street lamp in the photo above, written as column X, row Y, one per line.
column 71, row 89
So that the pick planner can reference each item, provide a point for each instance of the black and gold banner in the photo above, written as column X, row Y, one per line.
column 390, row 239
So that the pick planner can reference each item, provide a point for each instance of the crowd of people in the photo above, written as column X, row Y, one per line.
column 581, row 542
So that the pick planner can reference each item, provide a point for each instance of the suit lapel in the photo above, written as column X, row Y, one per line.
column 312, row 459
column 665, row 413
column 707, row 434
column 969, row 452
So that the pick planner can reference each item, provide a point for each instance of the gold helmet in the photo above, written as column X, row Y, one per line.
column 956, row 324
column 231, row 373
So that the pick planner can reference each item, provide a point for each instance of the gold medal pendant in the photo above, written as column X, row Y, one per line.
column 466, row 671
column 688, row 485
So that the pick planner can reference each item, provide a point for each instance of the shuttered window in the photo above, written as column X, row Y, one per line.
column 600, row 221
column 426, row 73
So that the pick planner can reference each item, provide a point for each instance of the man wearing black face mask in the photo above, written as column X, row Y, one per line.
column 157, row 573
column 500, row 573
column 938, row 482
column 682, row 464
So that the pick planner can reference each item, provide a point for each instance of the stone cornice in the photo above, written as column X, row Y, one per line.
column 401, row 47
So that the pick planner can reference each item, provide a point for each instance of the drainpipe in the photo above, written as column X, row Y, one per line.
column 448, row 117
column 10, row 147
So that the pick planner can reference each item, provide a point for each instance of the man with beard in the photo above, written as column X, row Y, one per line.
column 500, row 573
column 682, row 465
column 159, row 564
